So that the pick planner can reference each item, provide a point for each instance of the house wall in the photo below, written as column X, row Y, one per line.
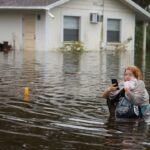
column 49, row 31
column 40, row 31
column 91, row 34
column 116, row 10
column 11, row 28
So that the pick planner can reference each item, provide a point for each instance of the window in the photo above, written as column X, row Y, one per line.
column 71, row 28
column 113, row 30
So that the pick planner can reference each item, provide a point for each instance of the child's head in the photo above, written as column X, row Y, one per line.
column 132, row 71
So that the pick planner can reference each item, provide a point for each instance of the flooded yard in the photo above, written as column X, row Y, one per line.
column 64, row 110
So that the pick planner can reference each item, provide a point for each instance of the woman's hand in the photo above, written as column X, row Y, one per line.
column 112, row 88
column 126, row 89
column 108, row 90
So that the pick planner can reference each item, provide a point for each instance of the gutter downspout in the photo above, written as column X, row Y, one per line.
column 47, row 13
column 102, row 43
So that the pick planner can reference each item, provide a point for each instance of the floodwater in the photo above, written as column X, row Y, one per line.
column 64, row 110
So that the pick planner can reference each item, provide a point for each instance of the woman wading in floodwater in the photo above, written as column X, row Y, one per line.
column 130, row 99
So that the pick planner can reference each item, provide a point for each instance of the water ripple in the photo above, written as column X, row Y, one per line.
column 64, row 109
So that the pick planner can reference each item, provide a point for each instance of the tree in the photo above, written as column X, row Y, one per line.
column 139, row 28
column 142, row 3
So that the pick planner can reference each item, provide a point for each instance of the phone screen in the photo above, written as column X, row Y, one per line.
column 114, row 81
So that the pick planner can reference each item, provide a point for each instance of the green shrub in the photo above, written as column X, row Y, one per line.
column 139, row 36
column 148, row 37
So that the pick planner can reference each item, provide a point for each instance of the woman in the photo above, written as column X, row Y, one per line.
column 118, row 101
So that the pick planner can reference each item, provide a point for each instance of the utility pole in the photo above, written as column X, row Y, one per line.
column 102, row 43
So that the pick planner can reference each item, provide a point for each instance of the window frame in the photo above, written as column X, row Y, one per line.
column 79, row 30
column 120, row 30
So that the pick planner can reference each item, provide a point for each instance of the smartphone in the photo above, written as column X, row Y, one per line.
column 114, row 81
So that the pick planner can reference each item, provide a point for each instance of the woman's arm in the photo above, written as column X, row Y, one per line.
column 105, row 93
column 111, row 88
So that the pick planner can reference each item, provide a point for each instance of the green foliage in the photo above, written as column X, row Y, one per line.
column 142, row 3
column 139, row 36
column 75, row 47
column 148, row 37
column 139, row 27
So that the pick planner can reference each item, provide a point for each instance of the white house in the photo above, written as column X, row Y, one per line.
column 48, row 24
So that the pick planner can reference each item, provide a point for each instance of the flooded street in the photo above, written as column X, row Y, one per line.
column 64, row 110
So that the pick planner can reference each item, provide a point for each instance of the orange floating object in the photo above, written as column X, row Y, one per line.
column 26, row 99
column 26, row 95
column 26, row 91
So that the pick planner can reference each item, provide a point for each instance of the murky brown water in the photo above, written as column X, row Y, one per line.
column 64, row 110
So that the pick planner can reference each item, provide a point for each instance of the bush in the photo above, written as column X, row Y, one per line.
column 148, row 37
column 139, row 36
column 75, row 47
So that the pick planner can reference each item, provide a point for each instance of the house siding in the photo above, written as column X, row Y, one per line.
column 11, row 28
column 40, row 31
column 116, row 10
column 90, row 34
column 49, row 31
column 87, row 30
column 127, row 27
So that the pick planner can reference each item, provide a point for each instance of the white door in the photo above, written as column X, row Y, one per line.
column 29, row 32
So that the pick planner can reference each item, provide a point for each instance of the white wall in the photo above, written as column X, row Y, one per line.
column 49, row 32
column 11, row 28
column 119, row 11
column 90, row 33
column 127, row 27
column 40, row 31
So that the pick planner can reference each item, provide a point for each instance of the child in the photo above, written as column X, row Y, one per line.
column 130, row 83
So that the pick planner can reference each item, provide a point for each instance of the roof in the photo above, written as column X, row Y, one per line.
column 26, row 2
column 141, row 14
column 30, row 4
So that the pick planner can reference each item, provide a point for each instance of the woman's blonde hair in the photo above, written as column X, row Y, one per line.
column 135, row 70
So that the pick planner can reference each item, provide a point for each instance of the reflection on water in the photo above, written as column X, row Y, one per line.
column 63, row 109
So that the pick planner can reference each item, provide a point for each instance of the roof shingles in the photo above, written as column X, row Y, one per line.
column 26, row 3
